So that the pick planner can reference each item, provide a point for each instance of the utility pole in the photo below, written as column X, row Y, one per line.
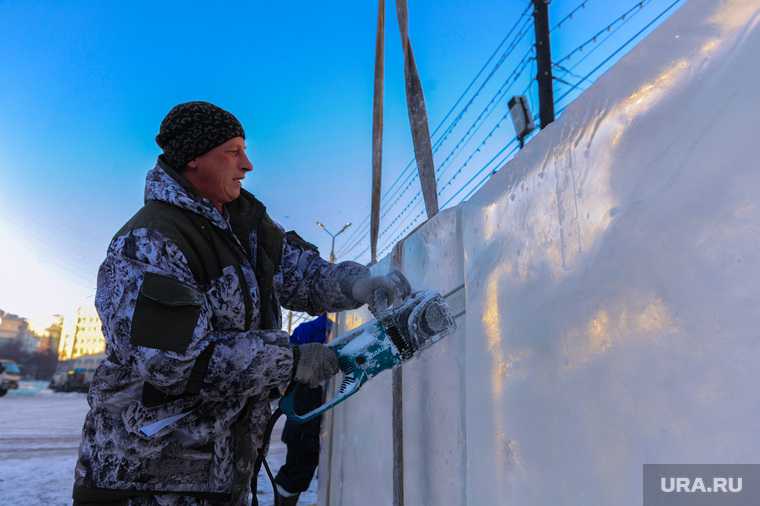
column 543, row 61
column 332, row 247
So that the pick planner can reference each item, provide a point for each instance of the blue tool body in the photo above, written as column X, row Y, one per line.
column 395, row 336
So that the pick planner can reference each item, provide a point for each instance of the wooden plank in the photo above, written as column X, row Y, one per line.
column 418, row 119
column 377, row 129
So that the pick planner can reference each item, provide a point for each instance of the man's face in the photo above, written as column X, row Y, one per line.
column 218, row 174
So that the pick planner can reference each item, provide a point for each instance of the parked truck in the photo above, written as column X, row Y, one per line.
column 10, row 375
column 75, row 375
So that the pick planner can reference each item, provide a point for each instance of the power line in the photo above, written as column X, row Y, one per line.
column 621, row 47
column 506, row 85
column 454, row 176
column 361, row 229
column 401, row 234
column 617, row 23
column 594, row 37
column 567, row 83
column 524, row 31
column 610, row 34
column 483, row 142
column 570, row 71
column 466, row 183
column 471, row 132
column 516, row 73
column 511, row 79
column 569, row 16
column 582, row 78
column 439, row 143
column 490, row 174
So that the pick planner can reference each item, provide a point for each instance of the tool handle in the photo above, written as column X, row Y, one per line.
column 352, row 381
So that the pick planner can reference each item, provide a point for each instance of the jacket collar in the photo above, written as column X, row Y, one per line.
column 165, row 184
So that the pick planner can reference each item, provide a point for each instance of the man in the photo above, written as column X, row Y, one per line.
column 189, row 295
column 302, row 439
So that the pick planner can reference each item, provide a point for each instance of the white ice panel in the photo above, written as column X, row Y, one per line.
column 357, row 440
column 433, row 395
column 616, row 267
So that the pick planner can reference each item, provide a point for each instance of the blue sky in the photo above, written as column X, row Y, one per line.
column 84, row 86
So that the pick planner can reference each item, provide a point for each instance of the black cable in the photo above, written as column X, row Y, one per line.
column 361, row 229
column 569, row 16
column 475, row 126
column 413, row 222
column 583, row 78
column 593, row 38
column 414, row 175
column 513, row 141
column 489, row 175
column 261, row 457
column 500, row 93
column 568, row 83
column 467, row 161
column 610, row 34
column 621, row 47
column 586, row 77
column 570, row 71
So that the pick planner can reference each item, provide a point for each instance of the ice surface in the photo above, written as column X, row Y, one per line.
column 39, row 438
column 612, row 280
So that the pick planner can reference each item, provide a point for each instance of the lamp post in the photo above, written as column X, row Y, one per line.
column 332, row 247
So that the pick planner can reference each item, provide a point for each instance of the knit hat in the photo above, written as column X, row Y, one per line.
column 194, row 128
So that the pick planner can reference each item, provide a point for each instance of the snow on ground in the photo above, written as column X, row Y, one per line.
column 39, row 438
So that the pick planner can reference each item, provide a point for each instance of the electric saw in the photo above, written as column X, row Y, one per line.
column 396, row 335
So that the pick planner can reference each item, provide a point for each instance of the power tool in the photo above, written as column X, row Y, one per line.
column 396, row 335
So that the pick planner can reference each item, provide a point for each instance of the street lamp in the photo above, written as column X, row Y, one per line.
column 519, row 109
column 332, row 247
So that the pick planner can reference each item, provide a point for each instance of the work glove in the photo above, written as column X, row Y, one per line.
column 316, row 363
column 381, row 292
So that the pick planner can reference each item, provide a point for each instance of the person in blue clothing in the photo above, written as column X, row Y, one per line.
column 302, row 440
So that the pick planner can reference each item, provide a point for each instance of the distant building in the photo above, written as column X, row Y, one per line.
column 12, row 327
column 50, row 337
column 83, row 337
column 15, row 330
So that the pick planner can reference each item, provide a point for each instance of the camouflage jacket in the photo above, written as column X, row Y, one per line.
column 209, row 358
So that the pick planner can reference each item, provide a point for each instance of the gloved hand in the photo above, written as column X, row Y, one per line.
column 381, row 292
column 316, row 363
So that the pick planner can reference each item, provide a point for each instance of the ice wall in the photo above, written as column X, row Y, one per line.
column 612, row 285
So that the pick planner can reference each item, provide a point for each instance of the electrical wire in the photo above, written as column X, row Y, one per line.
column 622, row 46
column 594, row 37
column 389, row 244
column 415, row 175
column 501, row 92
column 477, row 150
column 363, row 226
column 474, row 127
column 611, row 28
column 610, row 34
column 569, row 16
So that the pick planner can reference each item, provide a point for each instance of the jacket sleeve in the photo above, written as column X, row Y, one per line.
column 306, row 282
column 145, row 284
